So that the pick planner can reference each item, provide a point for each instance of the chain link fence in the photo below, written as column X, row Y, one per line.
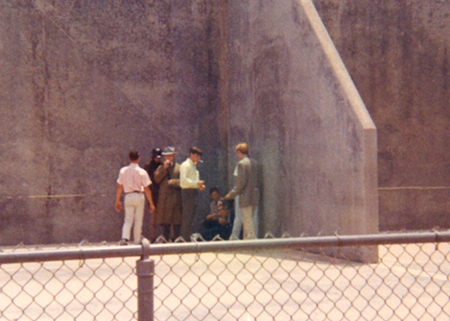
column 268, row 279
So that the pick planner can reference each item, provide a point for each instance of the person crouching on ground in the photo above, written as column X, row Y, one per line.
column 217, row 221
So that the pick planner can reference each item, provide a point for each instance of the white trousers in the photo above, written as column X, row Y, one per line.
column 134, row 216
column 247, row 221
column 237, row 223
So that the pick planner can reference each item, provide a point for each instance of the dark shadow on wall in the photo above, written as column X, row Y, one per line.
column 269, row 78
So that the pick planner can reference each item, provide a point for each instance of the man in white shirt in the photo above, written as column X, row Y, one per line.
column 134, row 182
column 190, row 185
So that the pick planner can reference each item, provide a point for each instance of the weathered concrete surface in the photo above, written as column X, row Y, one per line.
column 82, row 82
column 85, row 81
column 292, row 100
column 397, row 52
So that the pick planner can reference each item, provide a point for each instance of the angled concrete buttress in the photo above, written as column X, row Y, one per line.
column 291, row 98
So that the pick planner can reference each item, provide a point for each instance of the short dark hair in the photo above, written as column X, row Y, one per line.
column 213, row 189
column 133, row 155
column 195, row 150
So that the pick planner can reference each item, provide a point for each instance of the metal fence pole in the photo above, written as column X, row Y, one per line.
column 145, row 271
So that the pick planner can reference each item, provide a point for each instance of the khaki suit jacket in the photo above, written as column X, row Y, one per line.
column 168, row 210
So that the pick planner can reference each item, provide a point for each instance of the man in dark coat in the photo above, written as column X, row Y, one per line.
column 151, row 167
column 169, row 210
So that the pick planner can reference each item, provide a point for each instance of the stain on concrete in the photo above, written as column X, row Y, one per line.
column 85, row 81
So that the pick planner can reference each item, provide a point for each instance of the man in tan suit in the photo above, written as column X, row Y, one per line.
column 247, row 187
column 168, row 212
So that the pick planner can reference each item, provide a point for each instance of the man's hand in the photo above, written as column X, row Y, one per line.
column 118, row 194
column 227, row 197
column 211, row 216
column 201, row 185
column 148, row 194
column 166, row 164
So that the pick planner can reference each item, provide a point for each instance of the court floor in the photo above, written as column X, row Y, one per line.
column 409, row 282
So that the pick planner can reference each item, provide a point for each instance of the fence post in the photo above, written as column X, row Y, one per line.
column 145, row 270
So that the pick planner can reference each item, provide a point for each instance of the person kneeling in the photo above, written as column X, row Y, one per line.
column 217, row 221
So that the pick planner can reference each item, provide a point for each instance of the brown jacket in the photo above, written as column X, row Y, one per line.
column 168, row 210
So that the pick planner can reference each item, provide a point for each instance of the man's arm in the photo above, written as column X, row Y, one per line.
column 118, row 194
column 242, row 181
column 223, row 217
column 175, row 181
column 212, row 216
column 159, row 174
column 148, row 194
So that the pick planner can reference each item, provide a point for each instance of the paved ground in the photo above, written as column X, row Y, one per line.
column 409, row 283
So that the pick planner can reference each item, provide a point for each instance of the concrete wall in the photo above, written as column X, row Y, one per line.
column 292, row 100
column 397, row 53
column 82, row 82
column 85, row 81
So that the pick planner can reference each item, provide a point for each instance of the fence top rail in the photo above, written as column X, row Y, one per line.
column 145, row 250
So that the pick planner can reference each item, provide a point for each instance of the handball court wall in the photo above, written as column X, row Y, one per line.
column 290, row 96
column 84, row 82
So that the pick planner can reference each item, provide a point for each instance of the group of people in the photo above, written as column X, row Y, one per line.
column 172, row 193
